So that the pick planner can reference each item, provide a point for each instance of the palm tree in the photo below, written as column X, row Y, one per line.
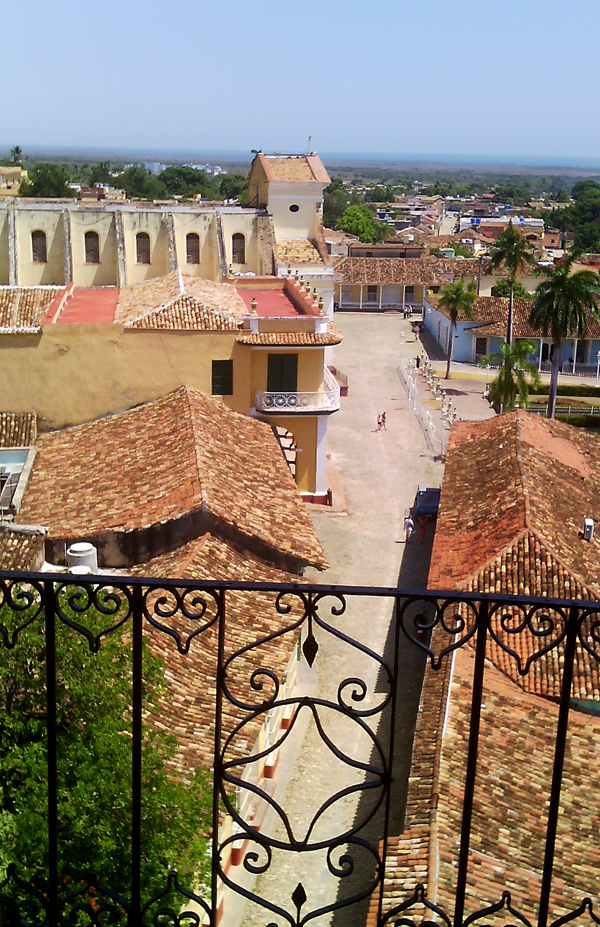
column 456, row 299
column 561, row 305
column 515, row 376
column 514, row 253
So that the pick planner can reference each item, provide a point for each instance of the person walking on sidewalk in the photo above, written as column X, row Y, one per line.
column 383, row 420
column 409, row 527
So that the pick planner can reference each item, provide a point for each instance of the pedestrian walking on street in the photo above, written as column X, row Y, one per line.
column 383, row 420
column 409, row 527
column 422, row 528
column 379, row 423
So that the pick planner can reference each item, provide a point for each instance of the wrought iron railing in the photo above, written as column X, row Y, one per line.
column 300, row 683
column 324, row 400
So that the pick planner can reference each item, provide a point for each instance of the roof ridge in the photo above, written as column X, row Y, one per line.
column 187, row 391
column 524, row 480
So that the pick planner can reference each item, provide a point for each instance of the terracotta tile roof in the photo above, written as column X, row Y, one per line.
column 179, row 299
column 304, row 251
column 185, row 314
column 21, row 548
column 188, row 709
column 516, row 529
column 138, row 298
column 155, row 463
column 493, row 311
column 24, row 307
column 516, row 750
column 534, row 474
column 431, row 271
column 294, row 168
column 300, row 339
column 18, row 429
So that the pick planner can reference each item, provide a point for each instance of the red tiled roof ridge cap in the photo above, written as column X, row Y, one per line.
column 522, row 474
column 188, row 392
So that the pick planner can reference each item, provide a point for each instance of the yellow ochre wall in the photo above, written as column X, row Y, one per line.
column 153, row 224
column 204, row 227
column 304, row 430
column 246, row 224
column 310, row 367
column 4, row 246
column 106, row 272
column 53, row 271
column 294, row 225
column 77, row 373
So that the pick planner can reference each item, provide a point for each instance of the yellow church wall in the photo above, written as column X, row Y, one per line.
column 4, row 247
column 204, row 226
column 53, row 271
column 294, row 225
column 106, row 272
column 153, row 224
column 244, row 223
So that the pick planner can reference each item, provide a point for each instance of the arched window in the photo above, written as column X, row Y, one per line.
column 38, row 247
column 142, row 244
column 192, row 248
column 238, row 248
column 92, row 248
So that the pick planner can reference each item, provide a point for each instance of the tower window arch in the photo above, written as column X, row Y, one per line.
column 192, row 248
column 142, row 247
column 92, row 248
column 238, row 248
column 38, row 247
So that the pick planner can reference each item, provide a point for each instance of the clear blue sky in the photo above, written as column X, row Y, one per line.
column 455, row 77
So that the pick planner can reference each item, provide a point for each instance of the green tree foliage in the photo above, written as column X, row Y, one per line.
column 188, row 182
column 502, row 288
column 515, row 376
column 583, row 217
column 94, row 764
column 47, row 180
column 141, row 184
column 456, row 300
column 562, row 304
column 100, row 173
column 380, row 194
column 234, row 187
column 360, row 221
column 514, row 253
column 16, row 156
column 336, row 200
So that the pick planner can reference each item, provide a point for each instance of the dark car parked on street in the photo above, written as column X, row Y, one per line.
column 427, row 502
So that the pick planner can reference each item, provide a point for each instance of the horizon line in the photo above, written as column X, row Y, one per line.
column 151, row 152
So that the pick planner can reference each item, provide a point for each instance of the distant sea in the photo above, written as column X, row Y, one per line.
column 354, row 159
